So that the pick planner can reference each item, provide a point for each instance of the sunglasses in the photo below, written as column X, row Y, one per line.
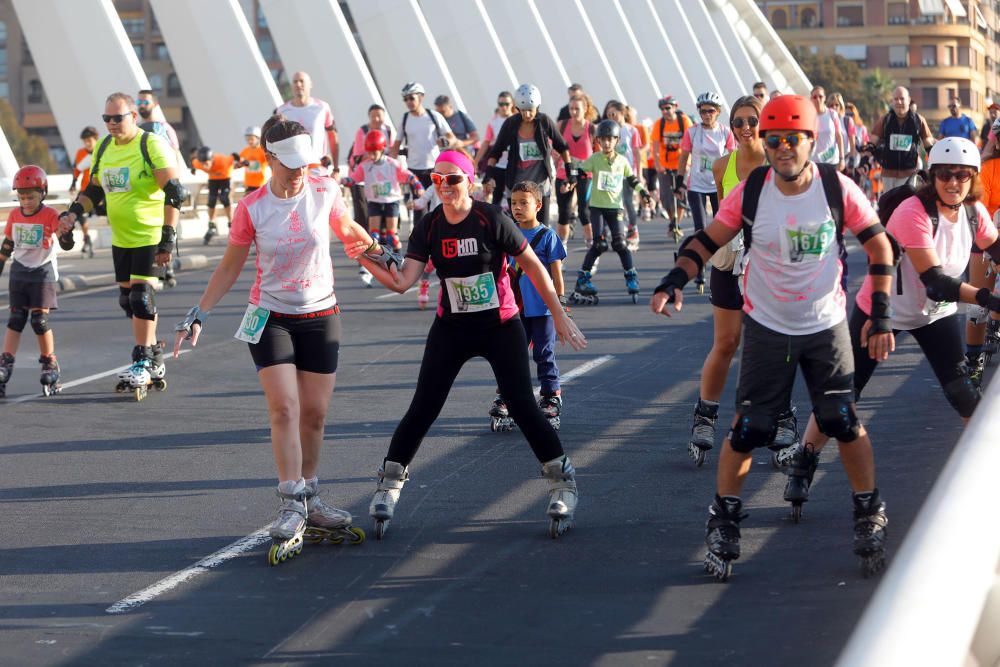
column 503, row 104
column 114, row 117
column 143, row 103
column 707, row 110
column 818, row 97
column 961, row 175
column 665, row 107
column 752, row 121
column 450, row 179
column 792, row 140
column 409, row 98
column 760, row 96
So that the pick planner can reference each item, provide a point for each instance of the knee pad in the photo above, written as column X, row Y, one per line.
column 123, row 301
column 963, row 395
column 836, row 418
column 39, row 322
column 618, row 244
column 601, row 245
column 212, row 199
column 18, row 318
column 142, row 299
column 754, row 428
column 224, row 198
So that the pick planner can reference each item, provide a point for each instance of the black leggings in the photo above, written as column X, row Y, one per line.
column 607, row 222
column 564, row 200
column 448, row 348
column 942, row 343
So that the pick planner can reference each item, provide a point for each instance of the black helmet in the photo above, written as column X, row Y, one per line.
column 608, row 128
column 204, row 154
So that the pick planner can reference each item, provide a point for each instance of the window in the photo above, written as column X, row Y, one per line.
column 899, row 56
column 928, row 55
column 964, row 56
column 261, row 19
column 949, row 56
column 949, row 93
column 3, row 35
column 4, row 90
column 156, row 83
column 850, row 15
column 35, row 92
column 929, row 98
column 897, row 13
column 140, row 51
column 779, row 19
column 965, row 95
column 266, row 45
column 160, row 52
column 809, row 18
column 174, row 86
column 134, row 27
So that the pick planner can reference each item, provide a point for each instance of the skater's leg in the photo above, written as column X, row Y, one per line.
column 614, row 224
column 392, row 229
column 725, row 341
column 315, row 391
column 15, row 325
column 281, row 389
column 563, row 202
column 941, row 342
column 541, row 333
column 143, row 302
column 40, row 325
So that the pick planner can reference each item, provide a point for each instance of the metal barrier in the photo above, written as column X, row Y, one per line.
column 939, row 601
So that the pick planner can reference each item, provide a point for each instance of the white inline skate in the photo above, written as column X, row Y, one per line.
column 391, row 478
column 563, row 494
column 328, row 523
column 289, row 527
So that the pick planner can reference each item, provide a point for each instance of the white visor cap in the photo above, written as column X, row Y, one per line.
column 294, row 152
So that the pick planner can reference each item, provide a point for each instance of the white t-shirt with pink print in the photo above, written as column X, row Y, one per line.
column 791, row 283
column 294, row 271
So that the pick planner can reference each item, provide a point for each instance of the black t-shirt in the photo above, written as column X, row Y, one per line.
column 476, row 246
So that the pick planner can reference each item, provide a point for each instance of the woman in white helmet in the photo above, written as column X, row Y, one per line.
column 530, row 136
column 935, row 230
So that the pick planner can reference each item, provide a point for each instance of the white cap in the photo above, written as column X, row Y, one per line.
column 253, row 130
column 294, row 152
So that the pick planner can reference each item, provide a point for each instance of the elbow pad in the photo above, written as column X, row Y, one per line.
column 94, row 192
column 175, row 192
column 941, row 287
column 7, row 247
column 994, row 251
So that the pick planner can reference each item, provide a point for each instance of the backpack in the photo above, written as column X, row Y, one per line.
column 435, row 116
column 891, row 159
column 157, row 128
column 143, row 148
column 515, row 274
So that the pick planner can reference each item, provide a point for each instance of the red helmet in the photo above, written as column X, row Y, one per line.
column 31, row 176
column 788, row 112
column 375, row 140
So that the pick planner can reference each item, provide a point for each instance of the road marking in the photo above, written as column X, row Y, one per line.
column 255, row 539
column 251, row 541
column 392, row 294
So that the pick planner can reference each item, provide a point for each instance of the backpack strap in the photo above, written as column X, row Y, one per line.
column 402, row 132
column 972, row 217
column 98, row 153
column 534, row 244
column 834, row 197
column 144, row 149
column 751, row 197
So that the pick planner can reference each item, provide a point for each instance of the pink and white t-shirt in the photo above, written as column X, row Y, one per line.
column 580, row 147
column 628, row 146
column 315, row 116
column 912, row 228
column 791, row 283
column 826, row 149
column 381, row 179
column 294, row 271
column 492, row 130
column 706, row 146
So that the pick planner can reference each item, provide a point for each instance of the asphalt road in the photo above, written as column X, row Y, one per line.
column 103, row 497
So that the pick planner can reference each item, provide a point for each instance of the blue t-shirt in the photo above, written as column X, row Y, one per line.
column 549, row 249
column 957, row 127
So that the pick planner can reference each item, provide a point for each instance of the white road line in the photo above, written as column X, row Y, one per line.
column 392, row 294
column 255, row 539
column 251, row 541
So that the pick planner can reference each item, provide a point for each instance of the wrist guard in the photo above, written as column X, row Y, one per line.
column 940, row 287
column 673, row 281
column 388, row 258
column 194, row 316
column 988, row 300
column 881, row 315
column 66, row 241
column 881, row 269
column 76, row 208
column 167, row 236
column 572, row 175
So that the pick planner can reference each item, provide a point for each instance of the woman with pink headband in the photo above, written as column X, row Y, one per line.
column 469, row 242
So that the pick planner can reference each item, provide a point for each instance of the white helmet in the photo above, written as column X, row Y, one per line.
column 412, row 88
column 954, row 150
column 713, row 99
column 253, row 130
column 527, row 96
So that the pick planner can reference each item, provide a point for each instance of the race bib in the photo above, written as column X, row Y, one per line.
column 28, row 236
column 255, row 167
column 828, row 154
column 116, row 179
column 382, row 189
column 609, row 181
column 900, row 142
column 808, row 243
column 472, row 294
column 705, row 163
column 252, row 326
column 530, row 152
column 932, row 308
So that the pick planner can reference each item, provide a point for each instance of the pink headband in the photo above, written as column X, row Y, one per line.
column 460, row 160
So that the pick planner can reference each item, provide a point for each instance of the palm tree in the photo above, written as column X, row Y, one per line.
column 876, row 88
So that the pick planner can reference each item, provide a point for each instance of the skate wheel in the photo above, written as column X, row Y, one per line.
column 380, row 528
column 494, row 425
column 273, row 557
column 796, row 512
column 357, row 535
column 701, row 288
column 697, row 454
column 872, row 564
column 160, row 385
column 121, row 387
column 721, row 569
column 595, row 300
column 140, row 393
column 313, row 537
column 774, row 460
column 558, row 526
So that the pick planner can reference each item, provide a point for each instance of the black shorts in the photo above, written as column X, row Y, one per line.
column 770, row 359
column 311, row 342
column 28, row 295
column 383, row 210
column 134, row 263
column 218, row 190
column 725, row 290
column 651, row 178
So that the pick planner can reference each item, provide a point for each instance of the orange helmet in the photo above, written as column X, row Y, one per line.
column 375, row 140
column 788, row 112
column 31, row 176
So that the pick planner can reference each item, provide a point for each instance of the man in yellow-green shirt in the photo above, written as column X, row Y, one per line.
column 134, row 172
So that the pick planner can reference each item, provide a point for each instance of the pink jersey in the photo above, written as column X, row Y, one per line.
column 294, row 269
column 912, row 228
column 34, row 236
column 706, row 145
column 492, row 130
column 382, row 179
column 580, row 148
column 791, row 283
column 316, row 117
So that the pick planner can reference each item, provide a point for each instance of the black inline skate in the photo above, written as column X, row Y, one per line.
column 786, row 440
column 500, row 419
column 723, row 536
column 584, row 292
column 6, row 370
column 551, row 407
column 801, row 470
column 870, row 522
column 211, row 233
column 50, row 375
column 703, row 430
column 976, row 362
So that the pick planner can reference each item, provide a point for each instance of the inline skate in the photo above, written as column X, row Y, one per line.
column 88, row 247
column 563, row 494
column 976, row 363
column 723, row 536
column 169, row 279
column 391, row 478
column 211, row 233
column 6, row 370
column 147, row 370
column 801, row 469
column 584, row 292
column 870, row 522
column 366, row 276
column 632, row 284
column 50, row 375
column 500, row 419
column 676, row 231
column 328, row 523
column 706, row 413
column 423, row 298
column 392, row 240
column 786, row 440
column 551, row 407
column 632, row 238
column 289, row 527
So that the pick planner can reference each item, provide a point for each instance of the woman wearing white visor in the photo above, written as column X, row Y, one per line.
column 292, row 323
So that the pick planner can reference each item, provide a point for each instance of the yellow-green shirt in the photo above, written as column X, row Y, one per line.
column 133, row 199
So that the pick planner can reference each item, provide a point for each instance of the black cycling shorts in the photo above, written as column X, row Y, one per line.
column 218, row 190
column 310, row 342
column 134, row 263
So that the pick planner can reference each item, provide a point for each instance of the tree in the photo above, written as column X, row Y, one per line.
column 28, row 149
column 876, row 87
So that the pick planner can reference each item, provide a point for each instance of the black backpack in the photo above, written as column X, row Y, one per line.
column 143, row 147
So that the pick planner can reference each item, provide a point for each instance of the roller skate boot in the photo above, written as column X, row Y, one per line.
column 699, row 283
column 703, row 430
column 785, row 441
column 212, row 232
column 391, row 478
column 392, row 240
column 992, row 344
column 88, row 247
column 676, row 231
column 6, row 370
column 289, row 527
column 563, row 494
column 136, row 378
column 157, row 369
column 869, row 531
column 423, row 298
column 169, row 279
column 632, row 284
column 632, row 238
column 723, row 536
column 50, row 375
column 500, row 419
column 366, row 276
column 551, row 407
column 801, row 469
column 976, row 362
column 597, row 265
column 328, row 523
column 584, row 292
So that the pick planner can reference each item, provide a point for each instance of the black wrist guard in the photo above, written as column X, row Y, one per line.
column 388, row 258
column 881, row 315
column 572, row 175
column 76, row 208
column 881, row 269
column 66, row 241
column 167, row 236
column 673, row 281
column 988, row 300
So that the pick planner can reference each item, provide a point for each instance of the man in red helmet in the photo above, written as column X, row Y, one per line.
column 792, row 215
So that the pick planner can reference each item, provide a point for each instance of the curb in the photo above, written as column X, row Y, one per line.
column 77, row 281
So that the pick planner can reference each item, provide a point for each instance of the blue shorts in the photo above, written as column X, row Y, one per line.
column 383, row 210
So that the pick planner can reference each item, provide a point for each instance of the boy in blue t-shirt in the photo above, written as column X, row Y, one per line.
column 525, row 202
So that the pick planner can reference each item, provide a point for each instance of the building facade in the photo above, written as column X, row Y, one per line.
column 938, row 49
